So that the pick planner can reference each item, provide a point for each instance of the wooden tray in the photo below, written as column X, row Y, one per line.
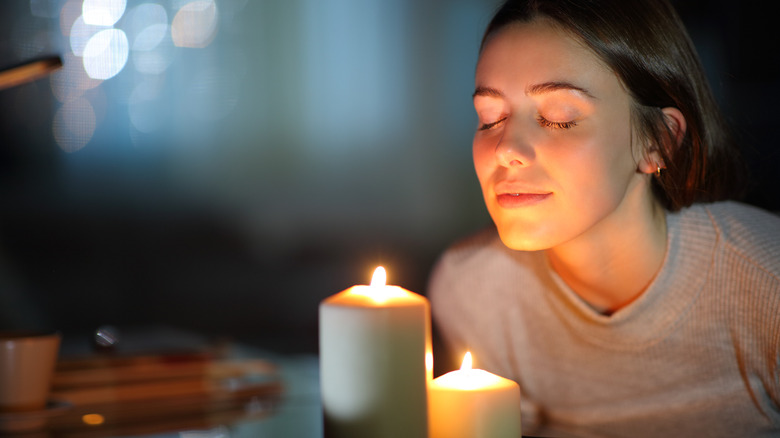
column 131, row 395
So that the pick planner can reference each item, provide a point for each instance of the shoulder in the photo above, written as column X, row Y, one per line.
column 746, row 231
column 748, row 263
column 465, row 255
column 478, row 264
column 744, row 263
column 484, row 244
column 742, row 219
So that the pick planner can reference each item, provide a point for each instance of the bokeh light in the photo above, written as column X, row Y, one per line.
column 102, row 36
column 150, row 37
column 71, row 80
column 146, row 26
column 93, row 419
column 195, row 24
column 74, row 124
column 68, row 15
column 154, row 61
column 106, row 54
column 147, row 30
column 80, row 34
column 103, row 12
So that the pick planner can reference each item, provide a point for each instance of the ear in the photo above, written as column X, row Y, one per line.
column 675, row 123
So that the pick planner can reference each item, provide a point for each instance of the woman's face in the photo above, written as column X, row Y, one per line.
column 553, row 150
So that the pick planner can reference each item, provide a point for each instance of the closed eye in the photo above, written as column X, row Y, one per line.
column 487, row 126
column 555, row 125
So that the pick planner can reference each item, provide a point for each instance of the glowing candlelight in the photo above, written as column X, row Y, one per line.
column 374, row 343
column 467, row 362
column 471, row 403
column 378, row 291
column 379, row 278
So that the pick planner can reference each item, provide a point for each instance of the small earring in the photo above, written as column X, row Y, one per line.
column 658, row 170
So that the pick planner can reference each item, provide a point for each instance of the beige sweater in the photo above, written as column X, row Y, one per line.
column 697, row 355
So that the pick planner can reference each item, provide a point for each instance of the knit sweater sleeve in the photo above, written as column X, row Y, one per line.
column 751, row 240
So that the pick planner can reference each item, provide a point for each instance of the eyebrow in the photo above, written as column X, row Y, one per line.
column 487, row 91
column 542, row 88
column 549, row 87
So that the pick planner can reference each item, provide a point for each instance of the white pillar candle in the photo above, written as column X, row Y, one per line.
column 374, row 351
column 473, row 403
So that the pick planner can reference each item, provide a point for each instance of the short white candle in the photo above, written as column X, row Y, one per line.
column 473, row 403
column 373, row 346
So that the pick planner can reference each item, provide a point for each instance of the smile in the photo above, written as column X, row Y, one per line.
column 517, row 200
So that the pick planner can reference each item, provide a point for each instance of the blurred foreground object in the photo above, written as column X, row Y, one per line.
column 143, row 394
column 29, row 71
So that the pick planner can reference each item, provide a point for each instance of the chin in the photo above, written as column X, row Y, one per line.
column 525, row 230
column 522, row 241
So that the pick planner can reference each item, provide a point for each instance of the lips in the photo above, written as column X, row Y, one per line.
column 517, row 200
column 510, row 195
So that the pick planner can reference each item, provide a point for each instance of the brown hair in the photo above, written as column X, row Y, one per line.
column 645, row 43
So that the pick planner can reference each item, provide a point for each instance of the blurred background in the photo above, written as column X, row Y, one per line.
column 222, row 166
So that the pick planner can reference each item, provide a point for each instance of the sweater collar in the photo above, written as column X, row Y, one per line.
column 691, row 240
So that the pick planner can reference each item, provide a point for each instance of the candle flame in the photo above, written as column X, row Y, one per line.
column 466, row 365
column 379, row 292
column 380, row 277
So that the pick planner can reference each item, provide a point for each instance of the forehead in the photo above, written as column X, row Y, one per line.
column 522, row 54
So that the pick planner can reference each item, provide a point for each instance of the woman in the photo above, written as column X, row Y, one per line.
column 618, row 287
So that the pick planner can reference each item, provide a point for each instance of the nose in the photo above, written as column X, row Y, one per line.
column 513, row 150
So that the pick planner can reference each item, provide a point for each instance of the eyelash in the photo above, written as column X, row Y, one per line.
column 487, row 126
column 542, row 121
column 555, row 125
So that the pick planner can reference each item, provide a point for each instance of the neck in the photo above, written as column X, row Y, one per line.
column 611, row 264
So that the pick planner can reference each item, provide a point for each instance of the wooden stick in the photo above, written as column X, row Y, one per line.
column 29, row 71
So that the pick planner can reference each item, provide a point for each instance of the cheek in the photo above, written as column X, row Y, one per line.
column 594, row 166
column 482, row 155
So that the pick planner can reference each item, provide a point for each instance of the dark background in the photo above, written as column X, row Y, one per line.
column 306, row 143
